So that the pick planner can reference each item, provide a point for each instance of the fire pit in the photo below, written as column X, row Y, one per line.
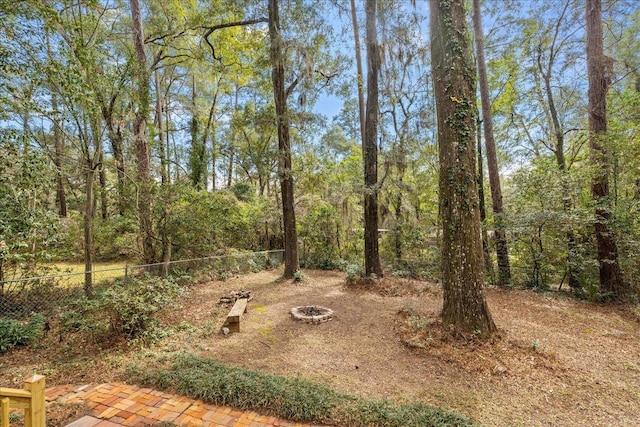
column 312, row 313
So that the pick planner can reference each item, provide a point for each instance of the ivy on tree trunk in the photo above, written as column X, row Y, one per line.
column 465, row 308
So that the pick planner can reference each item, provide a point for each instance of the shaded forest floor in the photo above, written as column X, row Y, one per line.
column 557, row 361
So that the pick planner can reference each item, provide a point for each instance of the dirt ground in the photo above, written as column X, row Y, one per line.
column 557, row 362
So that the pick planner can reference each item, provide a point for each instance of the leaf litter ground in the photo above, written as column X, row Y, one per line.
column 557, row 361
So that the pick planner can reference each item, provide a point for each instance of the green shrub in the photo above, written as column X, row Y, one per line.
column 131, row 305
column 128, row 307
column 291, row 398
column 354, row 272
column 14, row 334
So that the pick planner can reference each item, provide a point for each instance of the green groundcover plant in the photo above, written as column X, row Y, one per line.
column 291, row 398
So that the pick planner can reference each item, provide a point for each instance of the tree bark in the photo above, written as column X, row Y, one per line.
column 372, row 264
column 291, row 263
column 611, row 283
column 465, row 309
column 143, row 174
column 502, row 251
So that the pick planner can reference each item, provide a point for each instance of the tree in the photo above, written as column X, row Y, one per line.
column 277, row 56
column 502, row 251
column 404, row 84
column 143, row 174
column 370, row 146
column 598, row 65
column 545, row 71
column 465, row 308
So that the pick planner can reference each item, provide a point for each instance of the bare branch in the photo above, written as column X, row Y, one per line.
column 227, row 25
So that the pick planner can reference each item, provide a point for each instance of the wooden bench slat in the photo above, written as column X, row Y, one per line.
column 12, row 392
column 238, row 309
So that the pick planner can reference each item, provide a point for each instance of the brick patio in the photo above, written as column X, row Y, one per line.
column 116, row 404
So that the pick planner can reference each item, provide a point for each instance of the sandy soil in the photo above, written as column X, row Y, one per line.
column 557, row 362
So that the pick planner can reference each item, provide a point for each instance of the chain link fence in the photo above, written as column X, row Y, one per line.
column 20, row 298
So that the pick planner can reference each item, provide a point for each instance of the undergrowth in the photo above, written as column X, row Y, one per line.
column 15, row 334
column 295, row 399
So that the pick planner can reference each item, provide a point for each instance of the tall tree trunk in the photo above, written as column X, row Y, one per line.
column 143, row 174
column 370, row 146
column 398, row 213
column 232, row 142
column 102, row 179
column 214, row 158
column 488, row 265
column 611, row 283
column 164, row 177
column 61, row 194
column 164, row 174
column 356, row 39
column 465, row 308
column 88, row 227
column 210, row 128
column 117, row 141
column 291, row 263
column 167, row 128
column 198, row 149
column 502, row 251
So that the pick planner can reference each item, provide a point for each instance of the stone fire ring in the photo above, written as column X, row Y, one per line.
column 312, row 313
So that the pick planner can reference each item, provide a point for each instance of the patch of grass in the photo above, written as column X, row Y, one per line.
column 291, row 398
column 104, row 271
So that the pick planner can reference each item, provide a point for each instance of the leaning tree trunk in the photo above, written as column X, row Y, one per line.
column 291, row 264
column 143, row 174
column 502, row 251
column 370, row 147
column 465, row 309
column 611, row 283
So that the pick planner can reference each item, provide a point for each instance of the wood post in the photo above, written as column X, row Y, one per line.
column 35, row 415
column 31, row 399
column 4, row 418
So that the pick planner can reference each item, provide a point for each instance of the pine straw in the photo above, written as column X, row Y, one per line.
column 557, row 361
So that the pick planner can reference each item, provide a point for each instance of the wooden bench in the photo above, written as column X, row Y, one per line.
column 234, row 316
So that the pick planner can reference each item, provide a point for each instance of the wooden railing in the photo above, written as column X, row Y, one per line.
column 31, row 399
